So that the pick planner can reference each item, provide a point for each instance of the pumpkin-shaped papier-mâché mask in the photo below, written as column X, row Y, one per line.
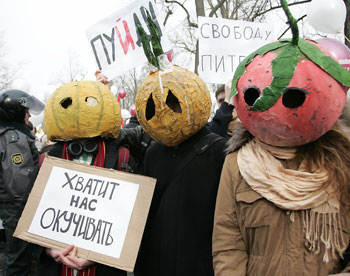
column 175, row 109
column 290, row 92
column 82, row 109
column 172, row 103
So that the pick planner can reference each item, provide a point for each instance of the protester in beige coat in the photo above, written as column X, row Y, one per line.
column 253, row 236
column 283, row 201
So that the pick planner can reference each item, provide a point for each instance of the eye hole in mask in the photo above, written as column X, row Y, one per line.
column 173, row 102
column 150, row 108
column 91, row 101
column 293, row 97
column 67, row 102
column 251, row 94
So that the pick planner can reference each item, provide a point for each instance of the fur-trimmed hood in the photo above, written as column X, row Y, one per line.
column 240, row 136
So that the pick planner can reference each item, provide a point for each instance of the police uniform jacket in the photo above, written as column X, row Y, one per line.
column 19, row 162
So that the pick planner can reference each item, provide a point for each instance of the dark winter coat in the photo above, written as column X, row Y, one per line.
column 19, row 163
column 177, row 238
column 220, row 122
column 133, row 135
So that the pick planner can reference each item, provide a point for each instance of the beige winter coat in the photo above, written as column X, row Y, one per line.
column 254, row 237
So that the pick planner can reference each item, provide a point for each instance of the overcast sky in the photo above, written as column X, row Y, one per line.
column 39, row 33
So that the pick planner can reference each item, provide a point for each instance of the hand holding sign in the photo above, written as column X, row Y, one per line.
column 101, row 219
column 228, row 85
column 70, row 260
column 76, row 262
column 58, row 255
column 101, row 78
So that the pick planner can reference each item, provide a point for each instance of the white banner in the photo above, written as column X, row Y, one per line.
column 224, row 43
column 94, row 212
column 115, row 42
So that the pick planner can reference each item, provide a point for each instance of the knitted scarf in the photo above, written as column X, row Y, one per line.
column 296, row 190
column 99, row 162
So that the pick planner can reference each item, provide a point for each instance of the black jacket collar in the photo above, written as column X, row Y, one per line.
column 18, row 126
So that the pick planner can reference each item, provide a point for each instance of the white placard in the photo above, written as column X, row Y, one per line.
column 115, row 42
column 89, row 211
column 224, row 43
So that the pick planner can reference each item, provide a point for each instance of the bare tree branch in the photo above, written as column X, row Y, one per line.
column 190, row 23
column 289, row 27
column 211, row 6
column 277, row 7
column 169, row 12
column 237, row 6
column 218, row 5
column 347, row 24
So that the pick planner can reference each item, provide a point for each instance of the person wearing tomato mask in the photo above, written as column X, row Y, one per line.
column 283, row 200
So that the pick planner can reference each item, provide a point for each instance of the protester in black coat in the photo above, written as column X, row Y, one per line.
column 173, row 106
column 177, row 238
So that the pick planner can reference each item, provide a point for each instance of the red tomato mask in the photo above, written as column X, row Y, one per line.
column 305, row 109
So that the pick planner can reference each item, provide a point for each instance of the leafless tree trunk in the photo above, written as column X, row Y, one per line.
column 200, row 12
column 347, row 23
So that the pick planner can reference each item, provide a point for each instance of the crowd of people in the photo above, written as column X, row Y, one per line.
column 261, row 189
column 178, row 236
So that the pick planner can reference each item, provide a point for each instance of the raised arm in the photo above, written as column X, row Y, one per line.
column 223, row 115
column 102, row 78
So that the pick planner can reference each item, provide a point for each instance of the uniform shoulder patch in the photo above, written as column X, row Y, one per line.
column 17, row 159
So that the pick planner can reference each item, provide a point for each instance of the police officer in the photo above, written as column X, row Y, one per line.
column 19, row 166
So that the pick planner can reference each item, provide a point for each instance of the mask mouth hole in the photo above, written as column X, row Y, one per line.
column 91, row 101
column 150, row 108
column 173, row 103
column 251, row 94
column 67, row 102
column 293, row 97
